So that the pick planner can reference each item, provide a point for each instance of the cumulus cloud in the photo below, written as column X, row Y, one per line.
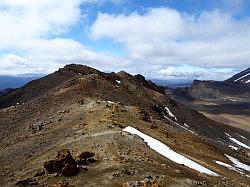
column 168, row 37
column 25, row 20
column 32, row 29
column 187, row 72
column 158, row 41
column 46, row 56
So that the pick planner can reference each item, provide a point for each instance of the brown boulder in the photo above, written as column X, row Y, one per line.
column 68, row 169
column 85, row 157
column 63, row 163
column 61, row 184
column 141, row 184
column 49, row 166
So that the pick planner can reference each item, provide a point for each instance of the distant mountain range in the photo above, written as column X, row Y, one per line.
column 224, row 101
column 174, row 83
column 16, row 81
column 237, row 85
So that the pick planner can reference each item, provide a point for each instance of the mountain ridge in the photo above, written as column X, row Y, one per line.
column 218, row 89
column 83, row 109
column 241, row 77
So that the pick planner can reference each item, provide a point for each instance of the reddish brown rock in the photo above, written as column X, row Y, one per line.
column 68, row 169
column 85, row 157
column 140, row 184
column 61, row 184
column 63, row 163
column 49, row 166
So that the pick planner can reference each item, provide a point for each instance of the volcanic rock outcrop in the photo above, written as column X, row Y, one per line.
column 63, row 163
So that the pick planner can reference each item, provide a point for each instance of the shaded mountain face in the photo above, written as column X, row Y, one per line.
column 5, row 91
column 236, row 86
column 85, row 110
column 213, row 89
column 242, row 77
column 225, row 101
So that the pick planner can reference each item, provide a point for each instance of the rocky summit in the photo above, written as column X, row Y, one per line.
column 83, row 127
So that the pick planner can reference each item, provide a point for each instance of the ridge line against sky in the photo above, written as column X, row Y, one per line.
column 161, row 39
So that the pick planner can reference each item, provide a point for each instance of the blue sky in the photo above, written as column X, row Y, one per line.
column 161, row 39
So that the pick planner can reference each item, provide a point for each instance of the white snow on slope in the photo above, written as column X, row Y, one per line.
column 164, row 150
column 233, row 147
column 170, row 113
column 110, row 102
column 228, row 135
column 238, row 164
column 248, row 81
column 224, row 164
column 237, row 141
column 242, row 136
column 119, row 82
column 179, row 125
column 229, row 166
column 242, row 77
column 187, row 129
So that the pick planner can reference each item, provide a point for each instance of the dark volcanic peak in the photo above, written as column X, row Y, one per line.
column 242, row 77
column 83, row 80
column 124, row 74
column 80, row 69
column 206, row 89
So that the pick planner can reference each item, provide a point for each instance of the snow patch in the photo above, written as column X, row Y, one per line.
column 224, row 164
column 242, row 136
column 186, row 125
column 179, row 125
column 238, row 164
column 233, row 147
column 239, row 143
column 242, row 77
column 170, row 113
column 119, row 82
column 164, row 150
column 110, row 102
column 229, row 166
column 248, row 81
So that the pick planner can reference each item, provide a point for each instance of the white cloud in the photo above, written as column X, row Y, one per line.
column 31, row 33
column 33, row 29
column 23, row 20
column 136, row 28
column 187, row 72
column 167, row 37
column 49, row 55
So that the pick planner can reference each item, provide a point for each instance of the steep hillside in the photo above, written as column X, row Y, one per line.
column 236, row 86
column 5, row 91
column 224, row 101
column 242, row 77
column 94, row 113
column 215, row 89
